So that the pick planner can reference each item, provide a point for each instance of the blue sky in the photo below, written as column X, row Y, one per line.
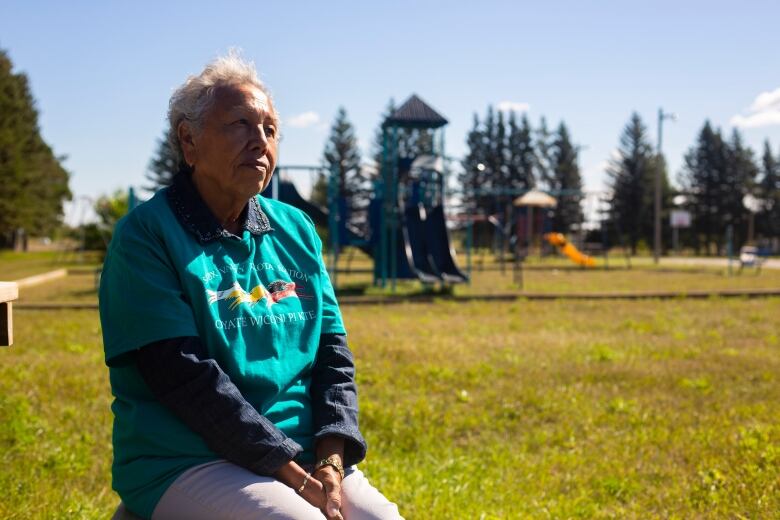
column 102, row 72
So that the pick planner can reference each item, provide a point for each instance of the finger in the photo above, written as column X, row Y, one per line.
column 333, row 496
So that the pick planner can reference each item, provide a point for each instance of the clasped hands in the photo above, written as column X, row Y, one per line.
column 323, row 488
column 323, row 491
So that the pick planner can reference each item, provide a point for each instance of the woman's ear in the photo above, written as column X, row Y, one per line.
column 187, row 143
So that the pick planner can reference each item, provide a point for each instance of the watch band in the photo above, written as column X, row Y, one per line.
column 333, row 462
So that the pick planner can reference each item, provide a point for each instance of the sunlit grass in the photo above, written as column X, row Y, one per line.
column 15, row 265
column 528, row 409
column 560, row 409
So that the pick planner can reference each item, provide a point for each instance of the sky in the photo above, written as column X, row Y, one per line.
column 102, row 72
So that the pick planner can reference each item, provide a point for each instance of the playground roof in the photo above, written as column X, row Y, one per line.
column 536, row 198
column 415, row 113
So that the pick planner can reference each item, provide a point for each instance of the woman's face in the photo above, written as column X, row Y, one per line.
column 235, row 150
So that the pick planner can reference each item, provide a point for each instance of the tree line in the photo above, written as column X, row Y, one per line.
column 33, row 182
column 723, row 183
column 718, row 179
column 506, row 156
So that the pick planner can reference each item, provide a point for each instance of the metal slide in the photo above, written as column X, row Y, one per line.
column 415, row 249
column 440, row 250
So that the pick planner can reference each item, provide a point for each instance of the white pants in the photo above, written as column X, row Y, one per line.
column 220, row 490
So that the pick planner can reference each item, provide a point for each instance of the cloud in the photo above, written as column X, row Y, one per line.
column 767, row 101
column 513, row 106
column 304, row 120
column 764, row 111
column 757, row 120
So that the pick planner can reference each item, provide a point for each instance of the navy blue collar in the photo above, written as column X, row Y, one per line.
column 196, row 217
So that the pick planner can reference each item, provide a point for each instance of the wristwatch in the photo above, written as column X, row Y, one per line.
column 332, row 461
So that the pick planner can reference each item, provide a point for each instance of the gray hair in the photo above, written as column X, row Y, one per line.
column 195, row 96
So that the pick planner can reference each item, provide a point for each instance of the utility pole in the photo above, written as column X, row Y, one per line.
column 657, row 213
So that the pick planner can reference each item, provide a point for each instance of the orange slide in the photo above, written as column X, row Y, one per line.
column 568, row 249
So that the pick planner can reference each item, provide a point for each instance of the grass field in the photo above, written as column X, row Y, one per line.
column 557, row 409
column 14, row 266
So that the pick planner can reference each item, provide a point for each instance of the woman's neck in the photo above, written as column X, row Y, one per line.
column 226, row 209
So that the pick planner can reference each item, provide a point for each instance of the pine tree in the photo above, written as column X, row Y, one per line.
column 632, row 175
column 162, row 166
column 521, row 157
column 379, row 137
column 499, row 162
column 704, row 167
column 768, row 218
column 740, row 180
column 566, row 181
column 33, row 183
column 472, row 177
column 716, row 177
column 542, row 145
column 342, row 156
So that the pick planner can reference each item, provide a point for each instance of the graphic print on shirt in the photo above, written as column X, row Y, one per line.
column 276, row 290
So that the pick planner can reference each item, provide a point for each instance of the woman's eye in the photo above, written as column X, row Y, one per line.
column 241, row 121
column 270, row 131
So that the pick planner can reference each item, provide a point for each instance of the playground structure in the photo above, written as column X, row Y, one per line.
column 407, row 234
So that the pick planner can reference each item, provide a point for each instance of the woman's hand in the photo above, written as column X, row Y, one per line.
column 330, row 446
column 330, row 479
column 313, row 492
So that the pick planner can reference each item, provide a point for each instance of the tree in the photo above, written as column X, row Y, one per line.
column 498, row 161
column 716, row 177
column 162, row 166
column 704, row 166
column 768, row 218
column 342, row 156
column 521, row 158
column 379, row 136
column 740, row 180
column 632, row 181
column 33, row 183
column 473, row 175
column 111, row 208
column 542, row 146
column 565, row 181
column 319, row 192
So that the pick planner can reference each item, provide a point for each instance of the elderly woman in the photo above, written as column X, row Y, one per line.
column 234, row 387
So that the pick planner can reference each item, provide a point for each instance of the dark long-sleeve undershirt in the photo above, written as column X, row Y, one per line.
column 184, row 378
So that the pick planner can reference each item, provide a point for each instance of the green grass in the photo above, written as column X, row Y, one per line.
column 80, row 286
column 14, row 266
column 568, row 410
column 528, row 409
column 559, row 409
column 557, row 274
column 76, row 287
column 578, row 281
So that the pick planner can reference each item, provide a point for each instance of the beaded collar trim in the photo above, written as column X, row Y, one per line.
column 195, row 216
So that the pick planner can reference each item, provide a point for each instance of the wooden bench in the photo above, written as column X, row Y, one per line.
column 8, row 293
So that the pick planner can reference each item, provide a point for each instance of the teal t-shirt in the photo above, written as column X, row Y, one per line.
column 259, row 304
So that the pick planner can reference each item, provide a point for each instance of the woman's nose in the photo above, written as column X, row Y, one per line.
column 259, row 139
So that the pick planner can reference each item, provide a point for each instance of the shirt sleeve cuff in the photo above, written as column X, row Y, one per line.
column 355, row 446
column 277, row 457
